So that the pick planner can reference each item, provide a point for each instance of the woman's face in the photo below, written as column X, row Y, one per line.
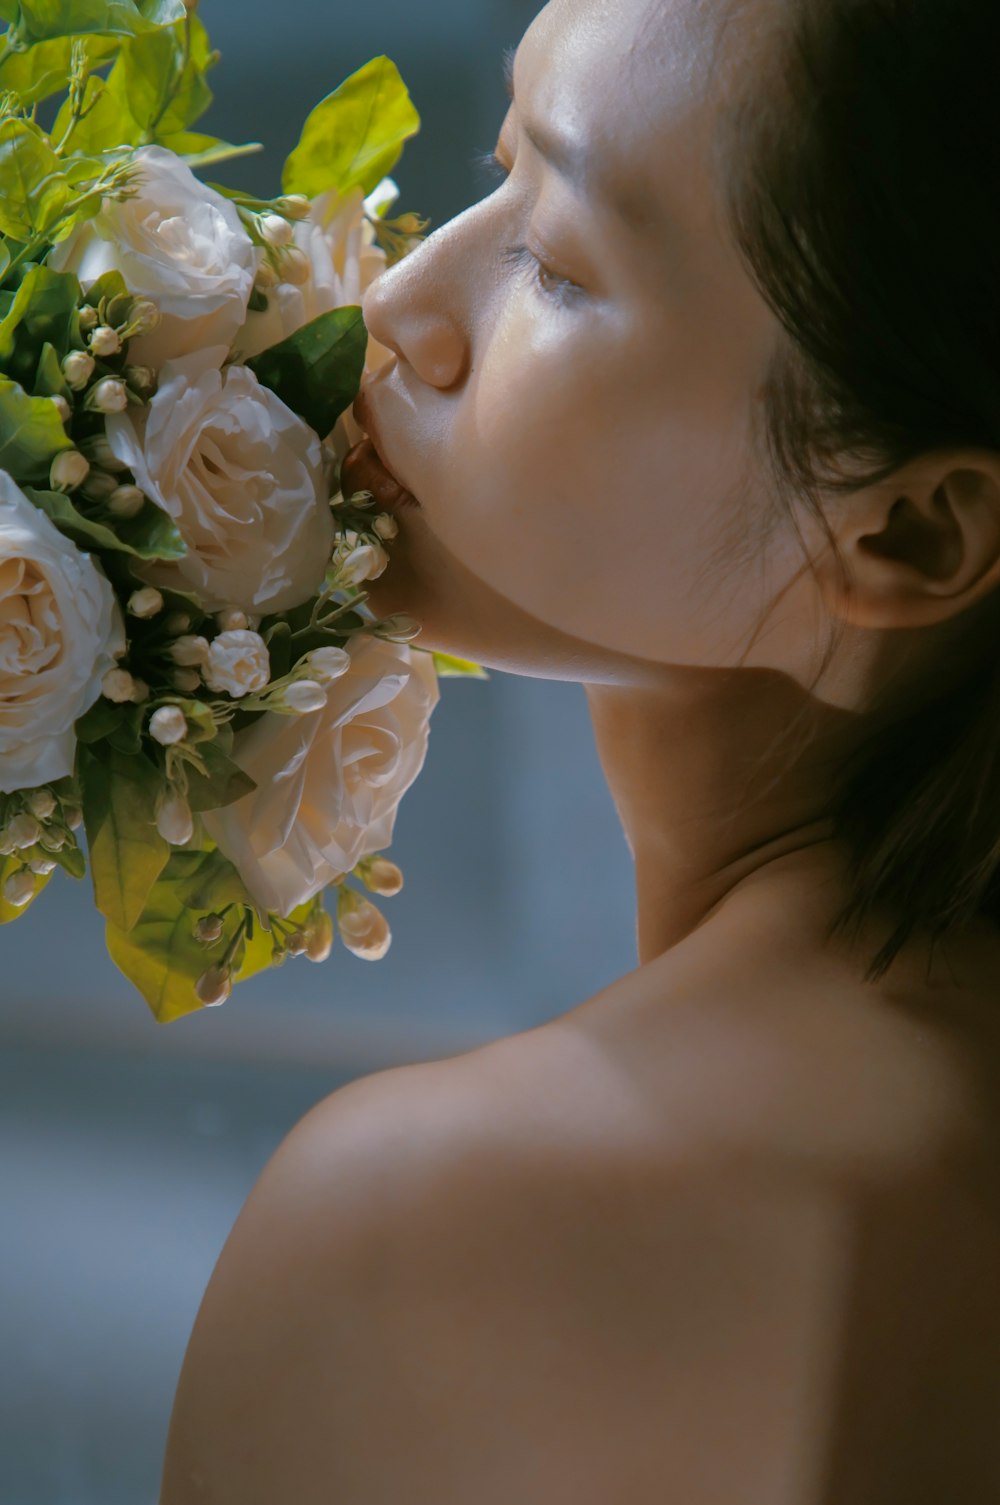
column 577, row 360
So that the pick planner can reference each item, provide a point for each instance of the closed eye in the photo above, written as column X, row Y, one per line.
column 560, row 289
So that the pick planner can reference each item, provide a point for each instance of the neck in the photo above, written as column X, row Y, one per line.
column 710, row 789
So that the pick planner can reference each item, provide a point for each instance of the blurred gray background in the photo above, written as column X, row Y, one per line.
column 127, row 1147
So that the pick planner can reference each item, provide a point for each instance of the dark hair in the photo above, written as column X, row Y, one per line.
column 859, row 166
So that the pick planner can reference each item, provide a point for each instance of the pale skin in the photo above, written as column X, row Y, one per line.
column 726, row 1233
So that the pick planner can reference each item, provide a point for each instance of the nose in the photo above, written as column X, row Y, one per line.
column 407, row 309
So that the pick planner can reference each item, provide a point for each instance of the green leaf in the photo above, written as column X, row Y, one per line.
column 449, row 667
column 213, row 886
column 42, row 20
column 42, row 312
column 127, row 853
column 164, row 87
column 205, row 151
column 43, row 70
column 72, row 861
column 49, row 378
column 107, row 122
column 31, row 433
column 8, row 912
column 34, row 190
column 355, row 136
column 151, row 534
column 317, row 371
column 99, row 722
column 224, row 783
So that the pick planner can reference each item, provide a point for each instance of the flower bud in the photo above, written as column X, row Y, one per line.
column 209, row 929
column 214, row 986
column 24, row 830
column 326, row 664
column 381, row 876
column 141, row 691
column 68, row 470
column 386, row 527
column 100, row 486
column 19, row 889
column 42, row 866
column 294, row 266
column 401, row 627
column 145, row 603
column 42, row 803
column 366, row 562
column 168, row 725
column 304, row 696
column 232, row 620
column 295, row 206
column 105, row 341
column 62, row 407
column 267, row 278
column 73, row 816
column 275, row 230
column 77, row 369
column 364, row 930
column 174, row 820
column 142, row 379
column 108, row 396
column 297, row 944
column 89, row 318
column 53, row 840
column 319, row 937
column 237, row 663
column 189, row 652
column 126, row 501
column 186, row 680
column 99, row 452
column 119, row 686
column 177, row 622
column 144, row 318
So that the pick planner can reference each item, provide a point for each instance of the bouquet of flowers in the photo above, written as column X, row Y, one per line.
column 189, row 677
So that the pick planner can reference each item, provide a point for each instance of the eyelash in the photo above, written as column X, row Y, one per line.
column 560, row 289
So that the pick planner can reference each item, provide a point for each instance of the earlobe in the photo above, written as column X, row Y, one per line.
column 925, row 548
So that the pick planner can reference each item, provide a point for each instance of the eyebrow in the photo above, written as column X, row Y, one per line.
column 572, row 161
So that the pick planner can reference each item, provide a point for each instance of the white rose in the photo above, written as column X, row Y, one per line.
column 344, row 261
column 242, row 477
column 329, row 782
column 179, row 244
column 60, row 629
column 238, row 663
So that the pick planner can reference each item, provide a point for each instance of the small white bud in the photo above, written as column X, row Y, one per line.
column 294, row 266
column 189, row 652
column 144, row 319
column 89, row 318
column 19, row 889
column 68, row 470
column 364, row 930
column 145, row 603
column 186, row 680
column 304, row 696
column 105, row 341
column 7, row 847
column 126, row 501
column 168, row 725
column 119, row 686
column 232, row 620
column 267, row 278
column 24, row 830
column 327, row 664
column 42, row 803
column 99, row 486
column 141, row 691
column 42, row 866
column 62, row 407
column 319, row 937
column 386, row 527
column 275, row 230
column 177, row 622
column 52, row 839
column 73, row 816
column 174, row 820
column 401, row 627
column 361, row 564
column 382, row 877
column 142, row 379
column 297, row 943
column 109, row 395
column 215, row 986
column 209, row 929
column 237, row 664
column 295, row 206
column 99, row 452
column 77, row 369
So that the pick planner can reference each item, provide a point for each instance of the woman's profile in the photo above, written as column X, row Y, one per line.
column 700, row 409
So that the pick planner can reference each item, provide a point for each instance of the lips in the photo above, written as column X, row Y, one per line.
column 365, row 470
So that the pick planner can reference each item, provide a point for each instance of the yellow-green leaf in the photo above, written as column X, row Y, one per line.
column 355, row 136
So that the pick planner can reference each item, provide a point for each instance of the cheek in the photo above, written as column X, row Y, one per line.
column 590, row 493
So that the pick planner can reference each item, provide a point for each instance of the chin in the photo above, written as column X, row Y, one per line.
column 460, row 614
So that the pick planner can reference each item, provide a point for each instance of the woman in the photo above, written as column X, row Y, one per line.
column 701, row 409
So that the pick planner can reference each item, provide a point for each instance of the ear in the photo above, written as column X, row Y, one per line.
column 922, row 547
